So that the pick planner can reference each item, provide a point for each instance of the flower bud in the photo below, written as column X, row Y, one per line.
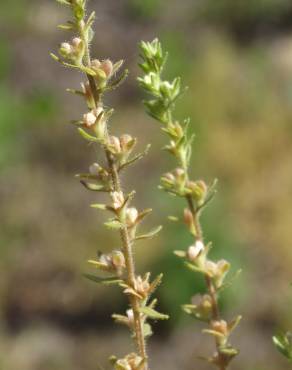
column 73, row 51
column 118, row 199
column 122, row 365
column 115, row 144
column 222, row 269
column 86, row 89
column 169, row 177
column 76, row 42
column 178, row 130
column 105, row 263
column 211, row 268
column 130, row 362
column 199, row 190
column 95, row 169
column 89, row 119
column 172, row 148
column 179, row 173
column 118, row 259
column 100, row 124
column 142, row 286
column 131, row 216
column 130, row 315
column 127, row 143
column 107, row 67
column 195, row 250
column 220, row 326
column 201, row 307
column 95, row 64
column 100, row 74
column 65, row 50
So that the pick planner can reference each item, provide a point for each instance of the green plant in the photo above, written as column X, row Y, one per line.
column 197, row 195
column 283, row 342
column 117, row 267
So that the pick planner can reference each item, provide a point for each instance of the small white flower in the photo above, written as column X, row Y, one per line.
column 195, row 250
column 107, row 67
column 94, row 169
column 211, row 268
column 95, row 64
column 130, row 315
column 65, row 49
column 118, row 199
column 98, row 111
column 76, row 42
column 89, row 119
column 114, row 142
column 131, row 215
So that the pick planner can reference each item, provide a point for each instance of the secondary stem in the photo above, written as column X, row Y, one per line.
column 210, row 286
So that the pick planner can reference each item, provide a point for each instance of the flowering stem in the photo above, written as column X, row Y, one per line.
column 93, row 127
column 130, row 267
column 124, row 233
column 197, row 194
column 210, row 286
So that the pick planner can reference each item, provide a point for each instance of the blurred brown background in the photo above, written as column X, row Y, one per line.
column 236, row 58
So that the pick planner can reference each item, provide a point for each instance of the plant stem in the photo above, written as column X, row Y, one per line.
column 210, row 286
column 124, row 232
column 128, row 252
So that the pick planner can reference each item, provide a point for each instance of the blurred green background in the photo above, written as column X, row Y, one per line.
column 236, row 58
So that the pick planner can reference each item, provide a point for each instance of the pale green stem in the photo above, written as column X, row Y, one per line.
column 199, row 237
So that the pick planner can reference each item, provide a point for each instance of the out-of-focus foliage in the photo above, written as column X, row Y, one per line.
column 144, row 9
column 283, row 343
column 245, row 18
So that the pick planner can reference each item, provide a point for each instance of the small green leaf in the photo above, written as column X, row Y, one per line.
column 180, row 254
column 143, row 214
column 117, row 66
column 89, row 21
column 135, row 158
column 283, row 343
column 149, row 235
column 215, row 333
column 147, row 330
column 106, row 281
column 234, row 323
column 153, row 286
column 65, row 27
column 87, row 136
column 55, row 57
column 77, row 92
column 113, row 224
column 103, row 207
column 194, row 268
column 93, row 187
column 153, row 314
column 87, row 70
column 63, row 2
column 115, row 84
column 173, row 218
